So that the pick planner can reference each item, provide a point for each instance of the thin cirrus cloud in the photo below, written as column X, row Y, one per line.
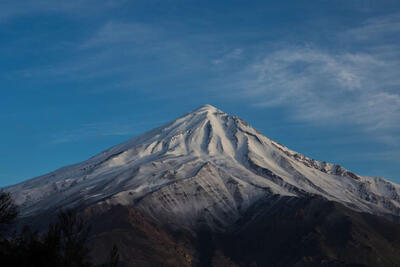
column 11, row 9
column 358, row 88
column 320, row 86
column 120, row 51
column 341, row 86
column 102, row 129
column 115, row 33
column 236, row 53
column 374, row 29
column 109, row 51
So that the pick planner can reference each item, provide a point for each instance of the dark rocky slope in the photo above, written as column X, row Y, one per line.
column 278, row 231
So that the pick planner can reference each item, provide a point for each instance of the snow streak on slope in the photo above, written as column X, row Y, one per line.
column 205, row 167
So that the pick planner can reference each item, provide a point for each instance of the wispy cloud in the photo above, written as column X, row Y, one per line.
column 314, row 84
column 11, row 9
column 342, row 86
column 322, row 87
column 236, row 53
column 310, row 79
column 116, row 33
column 375, row 29
column 92, row 131
column 113, row 50
column 118, row 51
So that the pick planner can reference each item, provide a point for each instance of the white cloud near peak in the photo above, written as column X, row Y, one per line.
column 322, row 87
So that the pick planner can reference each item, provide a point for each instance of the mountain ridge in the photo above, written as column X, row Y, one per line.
column 207, row 163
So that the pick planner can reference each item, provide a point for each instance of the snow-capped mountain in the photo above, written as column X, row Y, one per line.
column 206, row 167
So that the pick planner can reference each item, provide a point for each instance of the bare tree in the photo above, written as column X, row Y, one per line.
column 8, row 210
column 74, row 233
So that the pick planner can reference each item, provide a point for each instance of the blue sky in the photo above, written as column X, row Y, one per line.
column 321, row 77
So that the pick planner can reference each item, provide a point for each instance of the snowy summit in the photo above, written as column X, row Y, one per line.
column 206, row 166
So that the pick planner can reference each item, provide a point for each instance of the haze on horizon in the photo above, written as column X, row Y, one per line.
column 320, row 77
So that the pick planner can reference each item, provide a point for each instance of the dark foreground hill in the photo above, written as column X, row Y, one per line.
column 286, row 231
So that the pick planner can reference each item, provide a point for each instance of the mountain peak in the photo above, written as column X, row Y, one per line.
column 207, row 107
column 203, row 159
